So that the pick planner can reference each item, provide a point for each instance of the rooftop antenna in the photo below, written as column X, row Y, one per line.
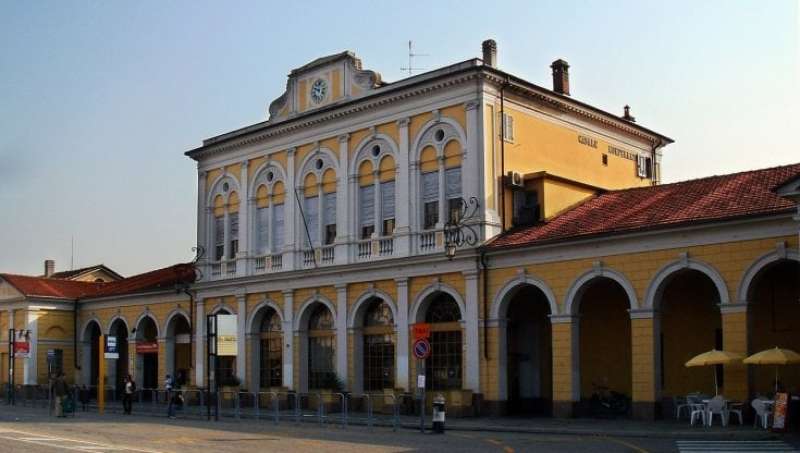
column 410, row 68
column 72, row 255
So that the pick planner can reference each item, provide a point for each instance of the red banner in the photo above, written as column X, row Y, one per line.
column 421, row 330
column 22, row 349
column 147, row 347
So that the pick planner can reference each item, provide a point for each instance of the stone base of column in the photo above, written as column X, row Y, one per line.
column 563, row 409
column 644, row 410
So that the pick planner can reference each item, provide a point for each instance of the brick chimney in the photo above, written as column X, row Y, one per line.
column 490, row 53
column 560, row 77
column 49, row 268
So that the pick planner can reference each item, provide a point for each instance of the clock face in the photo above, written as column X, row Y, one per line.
column 318, row 90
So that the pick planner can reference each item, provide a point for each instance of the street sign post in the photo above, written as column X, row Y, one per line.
column 422, row 350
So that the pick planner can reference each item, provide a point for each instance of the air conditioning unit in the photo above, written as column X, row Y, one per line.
column 514, row 179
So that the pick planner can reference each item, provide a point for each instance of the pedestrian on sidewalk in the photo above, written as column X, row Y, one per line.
column 60, row 390
column 127, row 396
column 83, row 395
column 170, row 403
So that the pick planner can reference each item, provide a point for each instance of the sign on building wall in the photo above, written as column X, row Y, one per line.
column 22, row 345
column 147, row 347
column 226, row 335
column 111, row 351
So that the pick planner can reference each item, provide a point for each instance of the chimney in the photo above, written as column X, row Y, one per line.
column 627, row 115
column 560, row 77
column 490, row 53
column 49, row 268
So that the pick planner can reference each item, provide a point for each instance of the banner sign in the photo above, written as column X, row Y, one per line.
column 147, row 347
column 226, row 335
column 22, row 347
column 421, row 330
column 779, row 412
column 111, row 348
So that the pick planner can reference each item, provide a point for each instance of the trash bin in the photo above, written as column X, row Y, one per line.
column 438, row 414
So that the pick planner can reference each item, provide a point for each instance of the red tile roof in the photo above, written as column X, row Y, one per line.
column 68, row 289
column 708, row 199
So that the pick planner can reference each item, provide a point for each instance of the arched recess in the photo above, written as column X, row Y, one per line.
column 315, row 325
column 267, row 219
column 522, row 310
column 373, row 335
column 318, row 183
column 265, row 337
column 601, row 299
column 771, row 289
column 178, row 346
column 444, row 367
column 147, row 337
column 90, row 346
column 684, row 297
column 372, row 187
column 117, row 369
column 423, row 299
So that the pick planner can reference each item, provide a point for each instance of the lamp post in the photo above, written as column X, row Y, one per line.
column 12, row 352
column 460, row 227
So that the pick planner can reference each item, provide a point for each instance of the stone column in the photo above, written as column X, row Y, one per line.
column 644, row 362
column 288, row 338
column 202, row 216
column 30, row 364
column 290, row 214
column 566, row 365
column 403, row 193
column 341, row 333
column 471, row 174
column 344, row 233
column 199, row 343
column 734, row 339
column 472, row 373
column 244, row 223
column 401, row 348
column 241, row 345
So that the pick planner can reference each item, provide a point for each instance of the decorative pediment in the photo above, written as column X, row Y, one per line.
column 322, row 82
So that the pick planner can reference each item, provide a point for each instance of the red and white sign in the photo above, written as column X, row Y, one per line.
column 421, row 330
column 422, row 349
column 22, row 347
column 147, row 347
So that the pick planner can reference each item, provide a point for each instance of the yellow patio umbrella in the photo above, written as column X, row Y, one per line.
column 775, row 356
column 714, row 357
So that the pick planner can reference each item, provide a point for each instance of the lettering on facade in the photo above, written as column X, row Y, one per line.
column 587, row 141
column 621, row 153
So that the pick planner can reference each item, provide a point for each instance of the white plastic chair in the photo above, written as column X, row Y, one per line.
column 697, row 411
column 716, row 406
column 762, row 414
column 680, row 403
column 735, row 409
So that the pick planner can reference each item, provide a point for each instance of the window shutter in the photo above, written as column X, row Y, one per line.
column 277, row 227
column 430, row 186
column 329, row 208
column 387, row 200
column 234, row 219
column 311, row 209
column 261, row 230
column 366, row 205
column 219, row 231
column 452, row 182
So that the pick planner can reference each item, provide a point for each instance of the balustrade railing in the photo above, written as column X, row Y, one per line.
column 427, row 241
column 328, row 253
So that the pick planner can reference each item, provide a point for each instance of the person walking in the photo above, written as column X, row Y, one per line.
column 170, row 403
column 60, row 391
column 83, row 394
column 127, row 396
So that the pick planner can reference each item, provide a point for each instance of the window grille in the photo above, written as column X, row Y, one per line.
column 277, row 227
column 219, row 238
column 366, row 209
column 233, row 218
column 387, row 207
column 271, row 350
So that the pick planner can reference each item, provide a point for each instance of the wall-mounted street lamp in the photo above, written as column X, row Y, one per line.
column 460, row 227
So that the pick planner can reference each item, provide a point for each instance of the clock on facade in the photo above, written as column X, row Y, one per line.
column 318, row 90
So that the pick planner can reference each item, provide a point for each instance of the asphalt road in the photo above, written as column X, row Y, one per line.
column 35, row 432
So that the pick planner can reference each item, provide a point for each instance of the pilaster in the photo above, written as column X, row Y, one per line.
column 244, row 222
column 241, row 345
column 288, row 338
column 472, row 372
column 290, row 213
column 199, row 342
column 734, row 339
column 401, row 348
column 644, row 359
column 341, row 331
column 566, row 371
column 404, row 192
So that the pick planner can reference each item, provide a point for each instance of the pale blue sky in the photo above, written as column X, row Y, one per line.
column 99, row 100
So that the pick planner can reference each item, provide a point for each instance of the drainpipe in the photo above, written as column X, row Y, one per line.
column 484, row 271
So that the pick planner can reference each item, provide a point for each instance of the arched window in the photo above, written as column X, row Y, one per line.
column 319, row 201
column 271, row 349
column 439, row 166
column 321, row 348
column 269, row 215
column 444, row 366
column 225, row 219
column 379, row 348
column 376, row 190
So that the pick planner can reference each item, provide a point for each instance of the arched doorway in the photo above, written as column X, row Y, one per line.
column 146, row 354
column 774, row 321
column 267, row 349
column 529, row 362
column 226, row 364
column 377, row 346
column 118, row 368
column 179, row 349
column 91, row 355
column 604, row 338
column 690, row 321
column 321, row 347
column 444, row 367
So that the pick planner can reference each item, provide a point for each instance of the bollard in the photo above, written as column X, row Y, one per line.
column 438, row 414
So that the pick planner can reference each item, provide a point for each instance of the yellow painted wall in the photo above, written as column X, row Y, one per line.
column 559, row 196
